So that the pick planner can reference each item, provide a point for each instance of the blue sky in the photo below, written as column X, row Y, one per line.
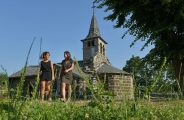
column 61, row 24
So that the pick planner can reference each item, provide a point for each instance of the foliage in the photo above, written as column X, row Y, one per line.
column 3, row 82
column 34, row 110
column 147, row 79
column 157, row 22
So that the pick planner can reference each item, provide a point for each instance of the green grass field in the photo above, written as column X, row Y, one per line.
column 87, row 110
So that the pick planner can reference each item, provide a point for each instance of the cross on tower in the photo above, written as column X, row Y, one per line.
column 94, row 8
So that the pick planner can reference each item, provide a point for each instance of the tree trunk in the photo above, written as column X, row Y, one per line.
column 178, row 66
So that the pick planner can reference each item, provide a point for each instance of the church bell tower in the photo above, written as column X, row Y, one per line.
column 94, row 46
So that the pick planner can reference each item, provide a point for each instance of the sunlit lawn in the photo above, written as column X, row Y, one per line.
column 80, row 110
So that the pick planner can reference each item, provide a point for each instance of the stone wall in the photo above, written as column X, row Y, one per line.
column 89, row 51
column 94, row 52
column 121, row 86
column 99, row 59
column 28, row 85
column 101, row 45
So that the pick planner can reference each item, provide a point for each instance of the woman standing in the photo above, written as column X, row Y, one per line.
column 47, row 74
column 65, row 74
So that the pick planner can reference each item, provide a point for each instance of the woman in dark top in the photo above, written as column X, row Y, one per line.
column 47, row 74
column 65, row 74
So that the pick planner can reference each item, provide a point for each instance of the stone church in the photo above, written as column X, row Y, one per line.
column 95, row 65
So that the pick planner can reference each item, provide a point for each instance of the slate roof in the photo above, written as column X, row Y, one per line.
column 30, row 71
column 105, row 68
column 94, row 30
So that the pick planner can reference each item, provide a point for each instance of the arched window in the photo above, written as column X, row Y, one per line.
column 93, row 43
column 89, row 43
column 101, row 48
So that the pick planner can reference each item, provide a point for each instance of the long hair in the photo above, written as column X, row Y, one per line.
column 68, row 55
column 44, row 54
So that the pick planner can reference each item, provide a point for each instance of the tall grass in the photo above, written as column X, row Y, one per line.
column 4, row 82
column 19, row 102
column 23, row 73
column 38, row 73
column 77, row 111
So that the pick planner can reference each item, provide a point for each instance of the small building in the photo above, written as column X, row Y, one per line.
column 94, row 65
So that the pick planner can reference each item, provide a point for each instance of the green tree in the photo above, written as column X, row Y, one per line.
column 136, row 67
column 157, row 22
column 142, row 72
column 147, row 79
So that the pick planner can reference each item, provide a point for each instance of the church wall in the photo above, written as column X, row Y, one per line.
column 28, row 84
column 100, row 46
column 121, row 86
column 99, row 59
column 90, row 48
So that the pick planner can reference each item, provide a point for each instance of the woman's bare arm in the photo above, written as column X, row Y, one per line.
column 52, row 69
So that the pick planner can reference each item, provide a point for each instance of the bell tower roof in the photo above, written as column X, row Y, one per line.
column 94, row 31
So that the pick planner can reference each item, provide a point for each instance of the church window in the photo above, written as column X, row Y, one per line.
column 103, row 50
column 100, row 47
column 89, row 43
column 93, row 43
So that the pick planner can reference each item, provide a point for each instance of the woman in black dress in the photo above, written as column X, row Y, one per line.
column 65, row 74
column 47, row 74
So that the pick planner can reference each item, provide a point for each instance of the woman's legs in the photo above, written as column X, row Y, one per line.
column 63, row 90
column 48, row 84
column 42, row 89
column 69, row 91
